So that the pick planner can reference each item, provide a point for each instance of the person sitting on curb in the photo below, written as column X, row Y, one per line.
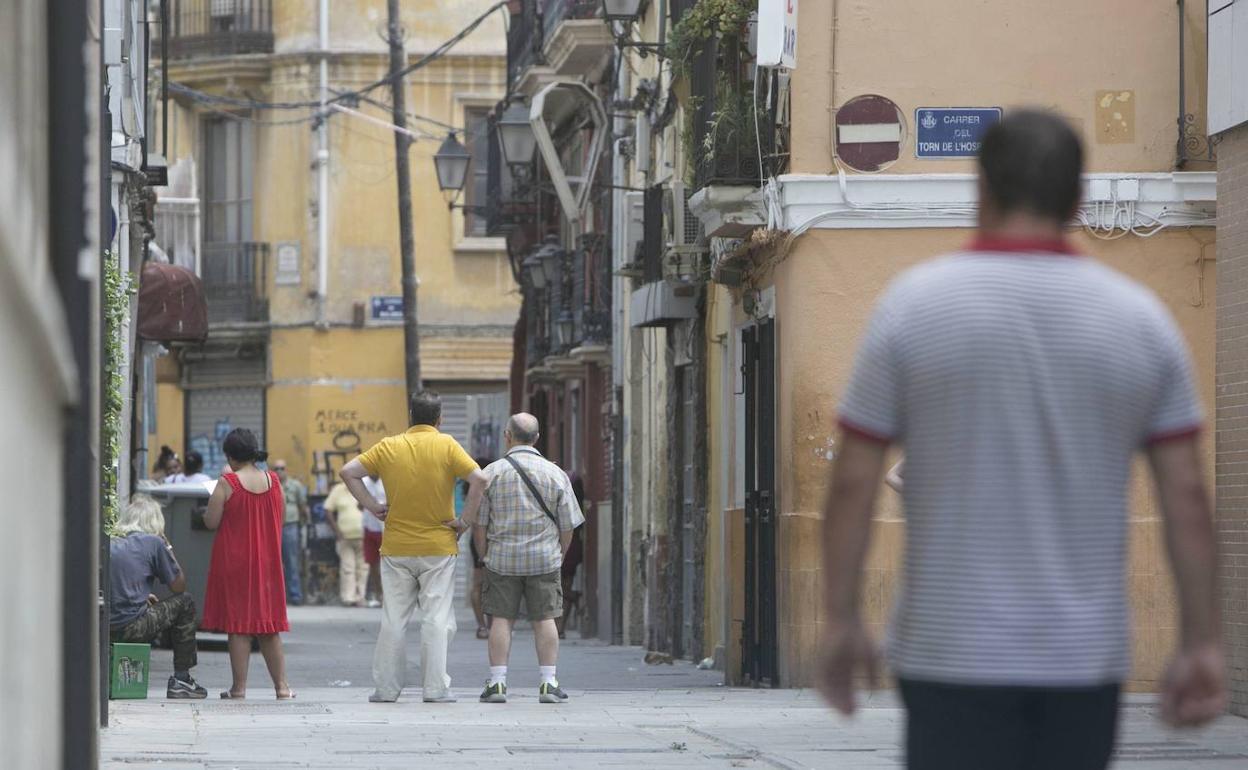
column 138, row 556
column 523, row 526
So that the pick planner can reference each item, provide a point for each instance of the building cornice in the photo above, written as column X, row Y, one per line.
column 1126, row 200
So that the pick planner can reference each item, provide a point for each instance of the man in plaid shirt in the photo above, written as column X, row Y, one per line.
column 523, row 527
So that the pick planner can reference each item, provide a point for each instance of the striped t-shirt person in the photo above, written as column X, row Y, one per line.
column 1021, row 379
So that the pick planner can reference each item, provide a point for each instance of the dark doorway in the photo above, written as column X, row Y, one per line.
column 758, row 636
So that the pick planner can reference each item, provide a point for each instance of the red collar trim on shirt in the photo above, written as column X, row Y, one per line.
column 1005, row 245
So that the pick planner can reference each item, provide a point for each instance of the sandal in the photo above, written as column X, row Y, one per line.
column 229, row 695
column 483, row 632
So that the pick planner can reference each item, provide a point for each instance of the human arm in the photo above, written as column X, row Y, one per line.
column 216, row 504
column 565, row 541
column 846, row 535
column 353, row 475
column 167, row 568
column 301, row 501
column 1193, row 689
column 479, row 540
column 477, row 481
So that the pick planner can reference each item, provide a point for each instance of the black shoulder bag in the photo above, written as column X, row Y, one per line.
column 528, row 482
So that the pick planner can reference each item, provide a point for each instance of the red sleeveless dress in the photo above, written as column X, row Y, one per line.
column 246, row 592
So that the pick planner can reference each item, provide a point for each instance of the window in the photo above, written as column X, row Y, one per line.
column 227, row 180
column 477, row 140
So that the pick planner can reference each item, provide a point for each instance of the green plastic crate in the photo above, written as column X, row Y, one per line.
column 129, row 665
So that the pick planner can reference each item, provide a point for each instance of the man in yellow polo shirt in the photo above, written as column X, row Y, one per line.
column 418, row 469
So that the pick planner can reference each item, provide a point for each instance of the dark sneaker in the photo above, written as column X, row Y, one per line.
column 551, row 692
column 185, row 690
column 494, row 693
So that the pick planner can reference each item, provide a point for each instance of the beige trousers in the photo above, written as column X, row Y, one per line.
column 424, row 585
column 352, row 570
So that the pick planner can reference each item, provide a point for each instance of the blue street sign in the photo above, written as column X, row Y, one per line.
column 952, row 132
column 387, row 308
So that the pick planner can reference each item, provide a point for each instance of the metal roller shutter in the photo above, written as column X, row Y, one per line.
column 221, row 396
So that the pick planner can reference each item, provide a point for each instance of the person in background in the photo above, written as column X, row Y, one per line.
column 478, row 568
column 374, row 528
column 346, row 518
column 295, row 516
column 166, row 465
column 573, row 559
column 246, row 596
column 194, row 470
column 523, row 526
column 420, row 546
column 139, row 555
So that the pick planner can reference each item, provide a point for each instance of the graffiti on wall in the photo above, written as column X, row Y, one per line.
column 338, row 433
column 209, row 447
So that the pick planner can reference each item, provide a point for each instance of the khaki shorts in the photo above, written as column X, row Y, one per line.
column 542, row 594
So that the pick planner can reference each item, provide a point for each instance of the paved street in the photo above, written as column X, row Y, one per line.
column 623, row 713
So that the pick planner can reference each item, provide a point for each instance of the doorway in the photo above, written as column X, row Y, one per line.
column 758, row 636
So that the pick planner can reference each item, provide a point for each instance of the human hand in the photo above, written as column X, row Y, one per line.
column 458, row 525
column 1193, row 689
column 152, row 600
column 380, row 510
column 846, row 648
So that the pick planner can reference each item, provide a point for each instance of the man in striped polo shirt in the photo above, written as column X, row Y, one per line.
column 1021, row 379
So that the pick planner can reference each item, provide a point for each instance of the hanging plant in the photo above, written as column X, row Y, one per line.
column 118, row 288
column 706, row 20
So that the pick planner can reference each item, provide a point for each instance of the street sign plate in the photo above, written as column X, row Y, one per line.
column 952, row 132
column 387, row 308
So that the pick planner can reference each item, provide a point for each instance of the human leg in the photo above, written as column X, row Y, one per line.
column 239, row 646
column 437, row 622
column 952, row 727
column 390, row 656
column 361, row 570
column 1073, row 728
column 372, row 556
column 291, row 562
column 275, row 660
column 546, row 639
column 346, row 571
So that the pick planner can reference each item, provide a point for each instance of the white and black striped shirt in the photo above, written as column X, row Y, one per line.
column 1020, row 379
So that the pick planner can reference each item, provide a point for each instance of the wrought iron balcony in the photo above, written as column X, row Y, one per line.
column 212, row 28
column 524, row 41
column 555, row 12
column 725, row 143
column 236, row 285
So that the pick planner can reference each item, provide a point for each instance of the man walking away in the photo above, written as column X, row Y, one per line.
column 296, row 515
column 523, row 526
column 1020, row 378
column 418, row 549
column 139, row 556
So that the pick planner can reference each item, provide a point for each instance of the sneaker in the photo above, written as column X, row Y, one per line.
column 373, row 604
column 551, row 692
column 448, row 698
column 185, row 690
column 494, row 693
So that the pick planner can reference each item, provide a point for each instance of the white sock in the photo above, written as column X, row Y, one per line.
column 548, row 674
column 498, row 675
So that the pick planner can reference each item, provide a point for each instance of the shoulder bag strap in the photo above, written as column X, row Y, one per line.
column 528, row 482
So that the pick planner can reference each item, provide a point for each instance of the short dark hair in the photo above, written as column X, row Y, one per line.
column 242, row 446
column 426, row 408
column 1032, row 161
column 194, row 463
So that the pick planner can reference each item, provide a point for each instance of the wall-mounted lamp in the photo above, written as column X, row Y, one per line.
column 627, row 13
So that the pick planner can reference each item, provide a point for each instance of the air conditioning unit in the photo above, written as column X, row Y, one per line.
column 628, row 258
column 684, row 244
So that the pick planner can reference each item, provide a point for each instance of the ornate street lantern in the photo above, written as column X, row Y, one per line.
column 535, row 268
column 565, row 327
column 626, row 11
column 515, row 135
column 451, row 162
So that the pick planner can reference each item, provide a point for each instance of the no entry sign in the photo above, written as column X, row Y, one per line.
column 868, row 132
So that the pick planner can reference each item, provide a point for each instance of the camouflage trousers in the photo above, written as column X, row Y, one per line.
column 175, row 615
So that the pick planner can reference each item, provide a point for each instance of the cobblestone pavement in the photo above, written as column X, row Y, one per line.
column 622, row 713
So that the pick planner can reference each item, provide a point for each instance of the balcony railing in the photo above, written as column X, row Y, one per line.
column 725, row 150
column 524, row 41
column 236, row 283
column 203, row 28
column 554, row 12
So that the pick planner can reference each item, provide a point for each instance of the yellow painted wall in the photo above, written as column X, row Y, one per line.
column 170, row 426
column 966, row 53
column 830, row 282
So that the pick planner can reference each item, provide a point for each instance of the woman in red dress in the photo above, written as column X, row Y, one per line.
column 246, row 593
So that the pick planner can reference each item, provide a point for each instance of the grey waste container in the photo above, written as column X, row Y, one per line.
column 184, row 506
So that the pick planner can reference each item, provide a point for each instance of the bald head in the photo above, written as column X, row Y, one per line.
column 522, row 428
